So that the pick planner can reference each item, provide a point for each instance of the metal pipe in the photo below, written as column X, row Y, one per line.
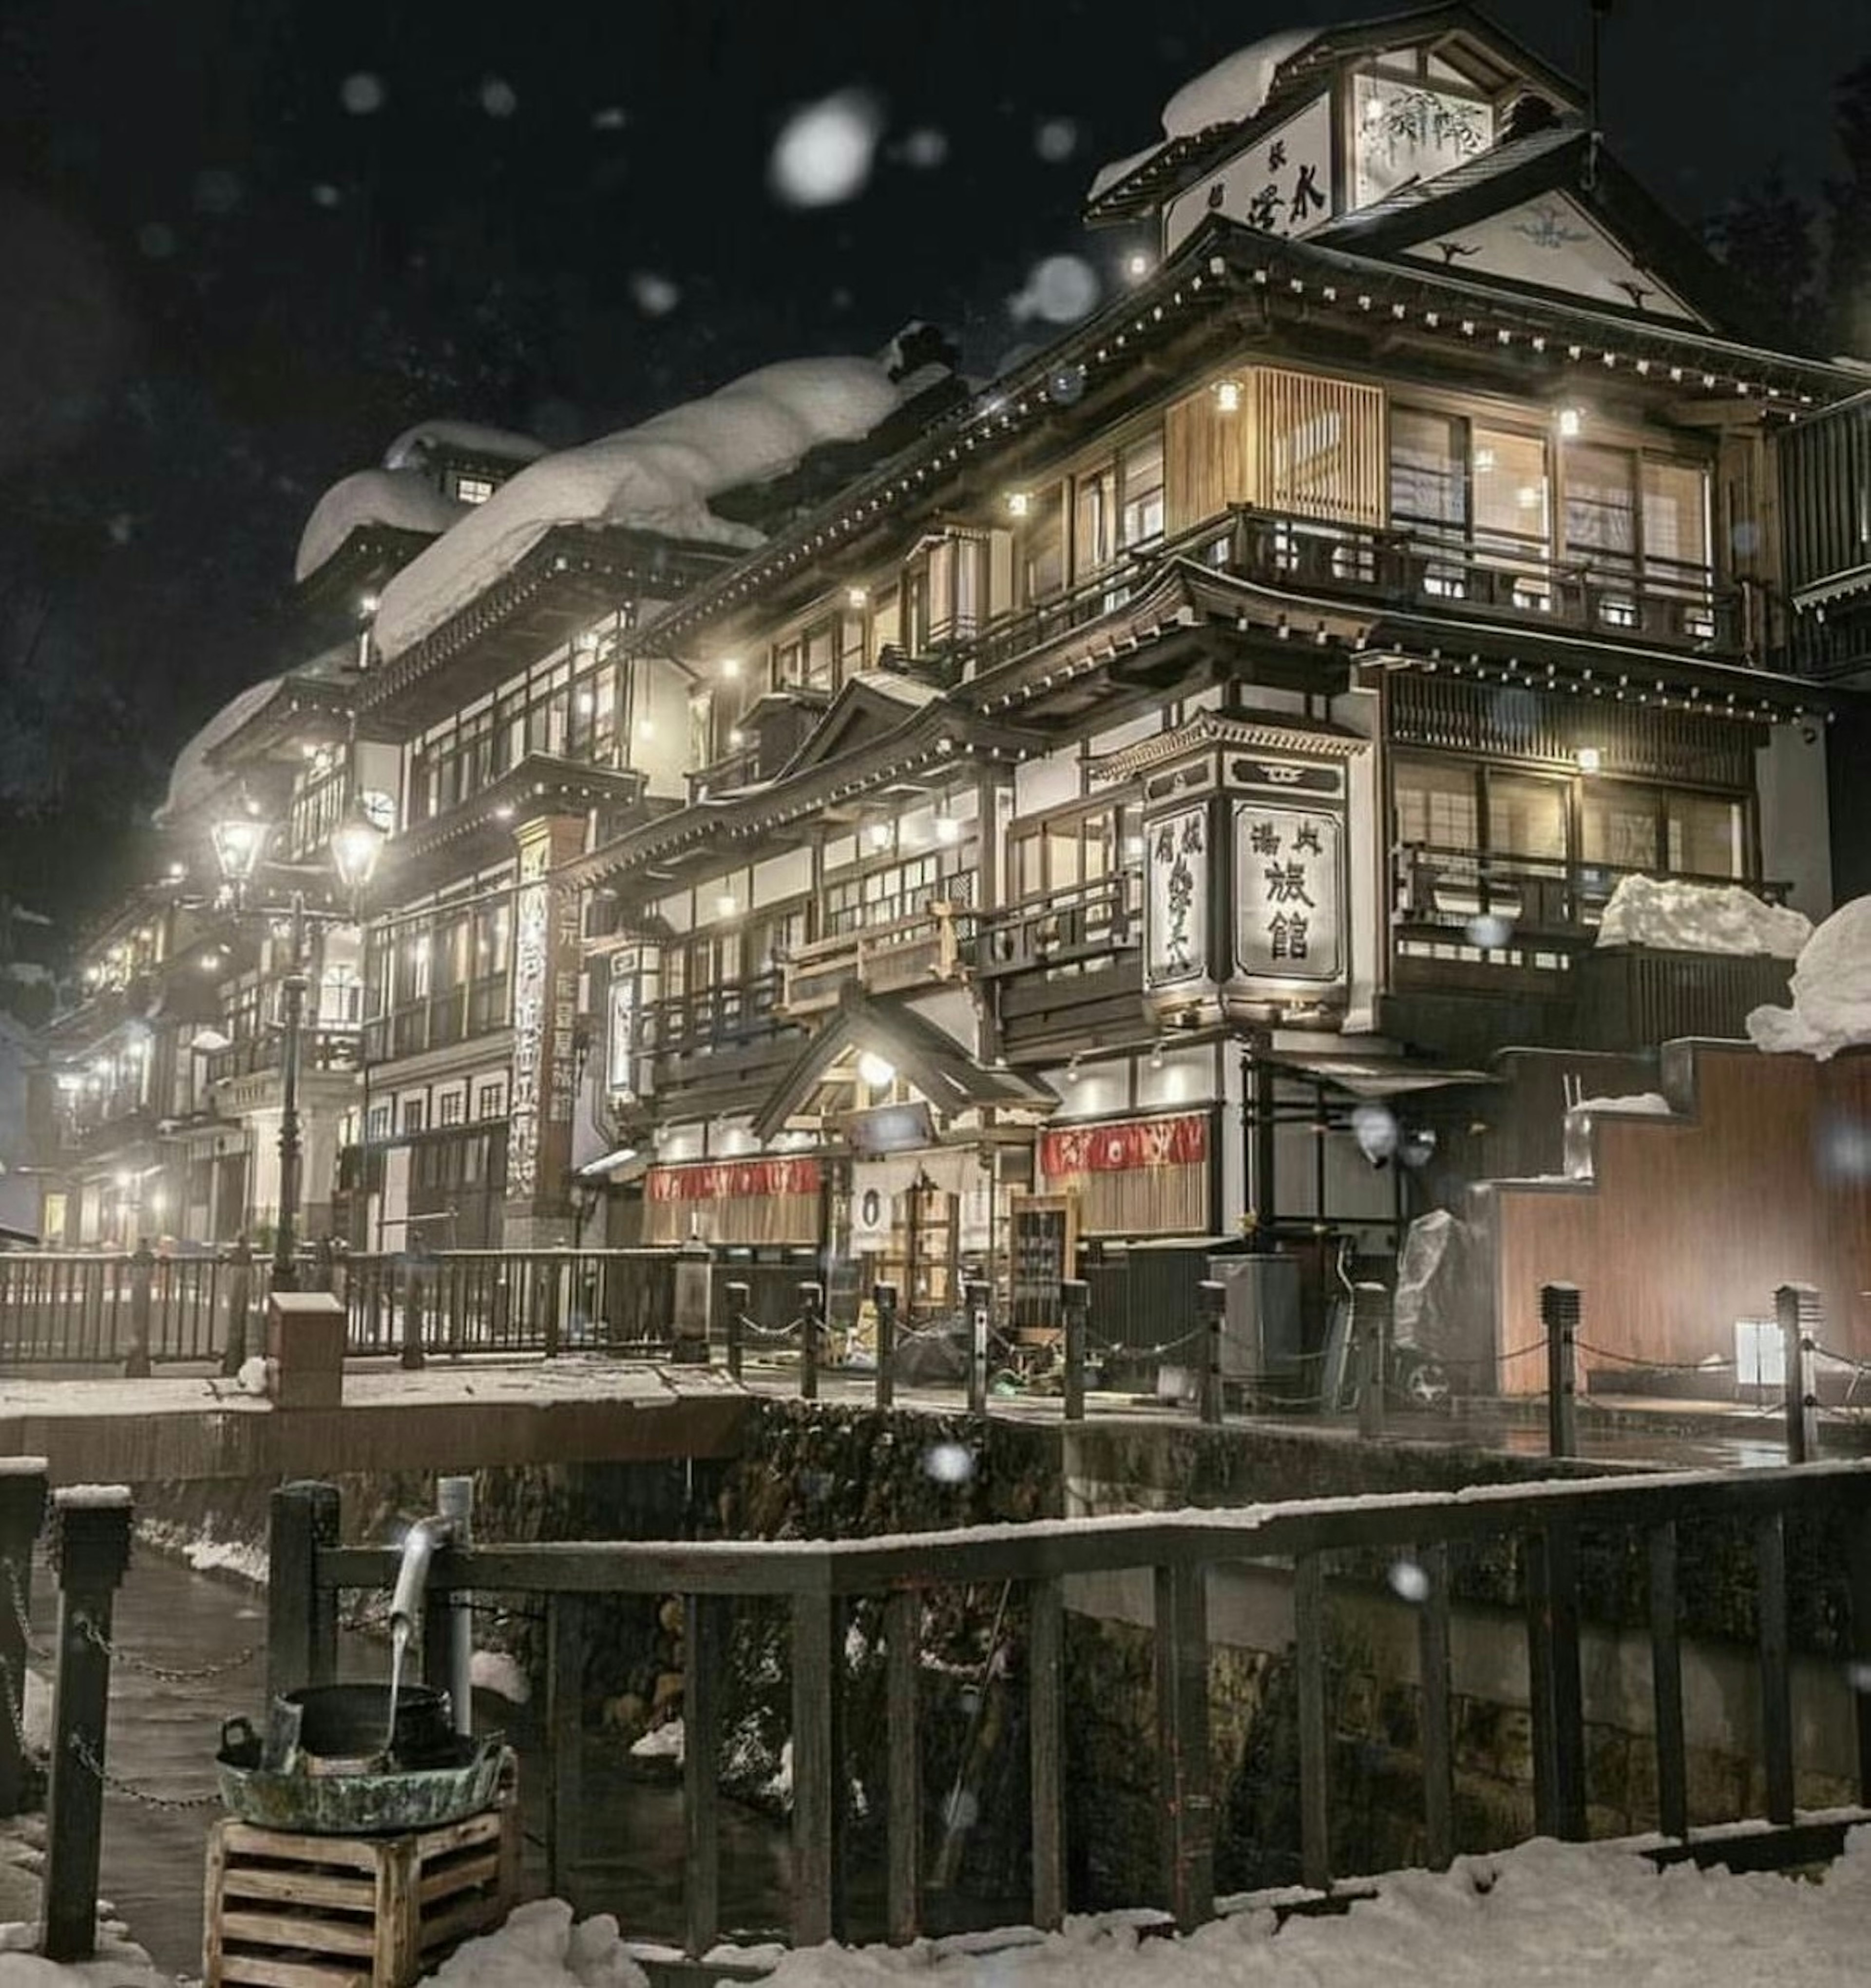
column 418, row 1549
column 454, row 1503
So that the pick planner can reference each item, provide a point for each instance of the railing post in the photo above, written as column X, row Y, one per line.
column 142, row 1291
column 545, row 1287
column 1797, row 1307
column 1046, row 1747
column 704, row 1647
column 811, row 1296
column 1559, row 1309
column 301, row 1619
column 1370, row 1315
column 976, row 1295
column 816, row 1789
column 240, row 1299
column 903, row 1836
column 1211, row 1308
column 22, row 1511
column 412, row 1354
column 738, row 1296
column 91, row 1550
column 1183, row 1739
column 884, row 1302
column 1075, row 1306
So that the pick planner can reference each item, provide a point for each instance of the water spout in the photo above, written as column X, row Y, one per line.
column 419, row 1545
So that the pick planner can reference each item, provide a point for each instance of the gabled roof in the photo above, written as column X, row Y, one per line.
column 869, row 708
column 1498, row 63
column 1560, row 189
column 932, row 1060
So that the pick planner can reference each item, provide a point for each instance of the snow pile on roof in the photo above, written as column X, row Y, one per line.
column 1234, row 89
column 415, row 446
column 1700, row 918
column 191, row 779
column 1632, row 1104
column 403, row 498
column 1831, row 992
column 657, row 478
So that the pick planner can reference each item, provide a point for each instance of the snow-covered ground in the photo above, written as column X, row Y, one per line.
column 1558, row 1915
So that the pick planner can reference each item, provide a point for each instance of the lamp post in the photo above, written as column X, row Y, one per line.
column 240, row 843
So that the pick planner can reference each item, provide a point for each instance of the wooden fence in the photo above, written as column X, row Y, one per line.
column 1537, row 1531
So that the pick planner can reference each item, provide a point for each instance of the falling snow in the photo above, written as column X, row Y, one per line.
column 654, row 296
column 1056, row 140
column 925, row 149
column 498, row 98
column 1060, row 290
column 823, row 153
column 362, row 93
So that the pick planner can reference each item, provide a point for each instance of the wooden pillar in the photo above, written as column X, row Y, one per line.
column 90, row 1548
column 1046, row 1723
column 240, row 1300
column 1183, row 1742
column 902, row 1679
column 142, row 1306
column 815, row 1768
column 1075, row 1309
column 565, row 1662
column 301, row 1619
column 1559, row 1321
column 1438, row 1749
column 22, row 1511
column 705, row 1644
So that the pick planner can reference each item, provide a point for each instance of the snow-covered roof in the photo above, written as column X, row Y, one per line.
column 192, row 780
column 414, row 445
column 1232, row 91
column 1832, row 991
column 1700, row 918
column 657, row 477
column 402, row 497
column 905, row 690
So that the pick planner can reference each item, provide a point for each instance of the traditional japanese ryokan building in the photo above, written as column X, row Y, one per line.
column 1122, row 813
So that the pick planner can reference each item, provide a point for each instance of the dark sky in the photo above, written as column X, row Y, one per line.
column 243, row 242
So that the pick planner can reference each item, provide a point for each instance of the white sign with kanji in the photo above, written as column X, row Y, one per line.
column 1281, row 184
column 1176, row 904
column 1289, row 899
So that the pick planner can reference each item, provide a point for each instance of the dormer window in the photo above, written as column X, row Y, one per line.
column 473, row 489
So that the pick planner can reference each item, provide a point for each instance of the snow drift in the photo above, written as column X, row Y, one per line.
column 403, row 498
column 1700, row 918
column 657, row 477
column 1831, row 989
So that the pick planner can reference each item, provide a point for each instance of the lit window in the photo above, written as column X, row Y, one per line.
column 473, row 489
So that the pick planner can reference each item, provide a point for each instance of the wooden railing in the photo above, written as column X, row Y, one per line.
column 712, row 1018
column 1060, row 927
column 320, row 1048
column 459, row 1014
column 94, row 1309
column 918, row 951
column 1530, row 1537
column 1449, row 887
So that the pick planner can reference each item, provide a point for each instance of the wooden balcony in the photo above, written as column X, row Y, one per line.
column 1066, row 967
column 717, row 1039
column 924, row 948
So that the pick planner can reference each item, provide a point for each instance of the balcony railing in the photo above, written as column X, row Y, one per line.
column 319, row 1049
column 921, row 950
column 1063, row 927
column 711, row 1018
column 458, row 1015
column 1534, row 896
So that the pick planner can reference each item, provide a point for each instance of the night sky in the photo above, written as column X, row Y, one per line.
column 243, row 242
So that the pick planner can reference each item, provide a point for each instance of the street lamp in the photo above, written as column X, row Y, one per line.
column 239, row 843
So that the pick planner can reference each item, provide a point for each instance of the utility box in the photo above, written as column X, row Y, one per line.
column 694, row 1295
column 1261, row 1321
column 304, row 1350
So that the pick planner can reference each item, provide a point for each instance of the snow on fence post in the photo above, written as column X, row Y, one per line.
column 1075, row 1310
column 1559, row 1314
column 22, row 1511
column 1211, row 1308
column 142, row 1293
column 1797, row 1305
column 90, row 1548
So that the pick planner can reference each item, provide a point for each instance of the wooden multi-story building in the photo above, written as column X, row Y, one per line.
column 1150, row 790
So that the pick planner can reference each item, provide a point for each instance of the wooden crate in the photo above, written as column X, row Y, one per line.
column 286, row 1911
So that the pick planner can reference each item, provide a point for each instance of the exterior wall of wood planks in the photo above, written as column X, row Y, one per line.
column 1692, row 1223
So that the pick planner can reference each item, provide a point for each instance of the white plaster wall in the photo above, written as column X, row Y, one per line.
column 658, row 745
column 781, row 877
column 1356, row 711
column 1796, row 824
column 1046, row 783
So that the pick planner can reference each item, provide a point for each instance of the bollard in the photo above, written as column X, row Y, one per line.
column 90, row 1548
column 1212, row 1309
column 976, row 1296
column 545, row 1284
column 1797, row 1307
column 883, row 1299
column 22, row 1511
column 1559, row 1312
column 811, row 1296
column 240, row 1299
column 142, row 1286
column 738, row 1296
column 1075, row 1307
column 412, row 1312
column 301, row 1619
column 1369, row 1311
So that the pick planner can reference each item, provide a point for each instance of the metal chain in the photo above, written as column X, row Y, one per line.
column 15, row 1709
column 16, row 1595
column 163, row 1673
column 82, row 1753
